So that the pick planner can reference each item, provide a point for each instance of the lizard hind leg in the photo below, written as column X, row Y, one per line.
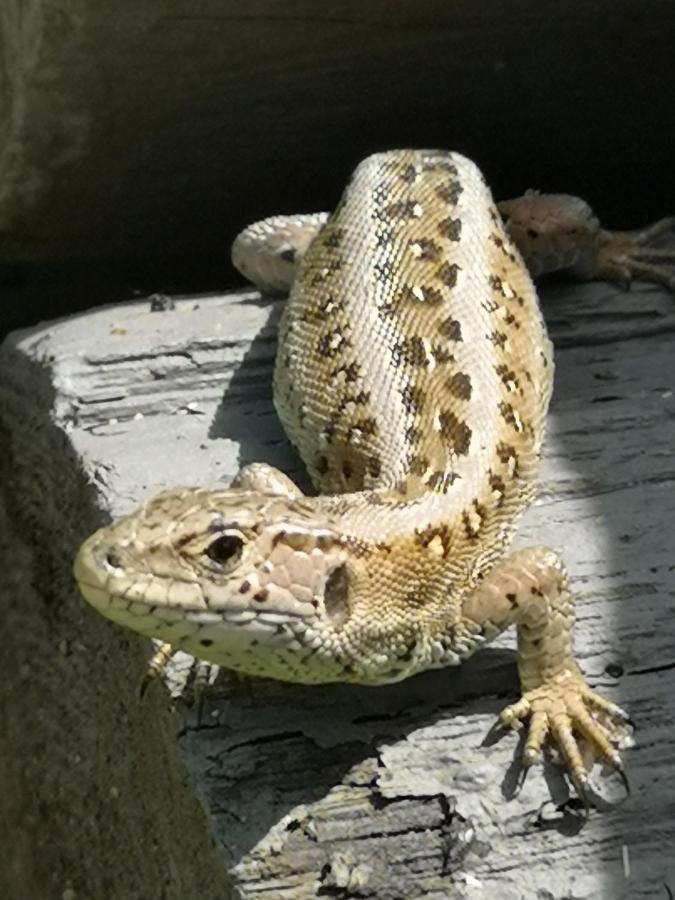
column 529, row 589
column 269, row 252
column 559, row 232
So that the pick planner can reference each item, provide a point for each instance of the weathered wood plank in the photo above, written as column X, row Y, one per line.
column 392, row 792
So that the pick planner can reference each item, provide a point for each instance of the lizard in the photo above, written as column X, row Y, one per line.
column 413, row 374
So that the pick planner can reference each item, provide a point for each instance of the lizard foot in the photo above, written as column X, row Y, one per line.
column 559, row 232
column 564, row 709
column 647, row 254
column 195, row 689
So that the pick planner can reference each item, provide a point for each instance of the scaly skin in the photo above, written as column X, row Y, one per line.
column 413, row 375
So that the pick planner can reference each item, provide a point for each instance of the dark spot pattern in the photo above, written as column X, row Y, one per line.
column 447, row 273
column 441, row 481
column 451, row 329
column 460, row 386
column 506, row 453
column 430, row 295
column 480, row 510
column 450, row 228
column 425, row 536
column 333, row 237
column 456, row 432
column 402, row 209
column 439, row 163
column 333, row 343
column 409, row 351
column 498, row 486
column 360, row 399
column 332, row 304
column 450, row 192
column 489, row 305
column 352, row 371
column 427, row 249
column 508, row 377
column 362, row 428
column 441, row 354
column 417, row 465
column 509, row 415
column 409, row 174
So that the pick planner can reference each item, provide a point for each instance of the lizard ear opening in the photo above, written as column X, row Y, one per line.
column 336, row 595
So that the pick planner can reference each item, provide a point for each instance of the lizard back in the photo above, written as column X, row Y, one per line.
column 414, row 369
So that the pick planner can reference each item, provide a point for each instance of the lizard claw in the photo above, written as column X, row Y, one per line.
column 564, row 709
column 155, row 668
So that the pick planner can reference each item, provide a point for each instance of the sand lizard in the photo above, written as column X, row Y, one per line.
column 413, row 375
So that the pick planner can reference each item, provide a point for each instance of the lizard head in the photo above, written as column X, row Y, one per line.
column 260, row 583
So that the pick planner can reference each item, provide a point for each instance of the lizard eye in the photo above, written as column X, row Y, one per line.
column 225, row 549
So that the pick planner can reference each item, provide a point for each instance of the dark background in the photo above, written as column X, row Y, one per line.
column 137, row 139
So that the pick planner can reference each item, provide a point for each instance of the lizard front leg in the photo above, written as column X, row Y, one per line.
column 262, row 478
column 529, row 589
column 557, row 232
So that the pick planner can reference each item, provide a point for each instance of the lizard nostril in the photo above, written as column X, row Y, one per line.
column 113, row 559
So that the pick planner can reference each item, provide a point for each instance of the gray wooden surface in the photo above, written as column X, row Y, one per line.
column 399, row 791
